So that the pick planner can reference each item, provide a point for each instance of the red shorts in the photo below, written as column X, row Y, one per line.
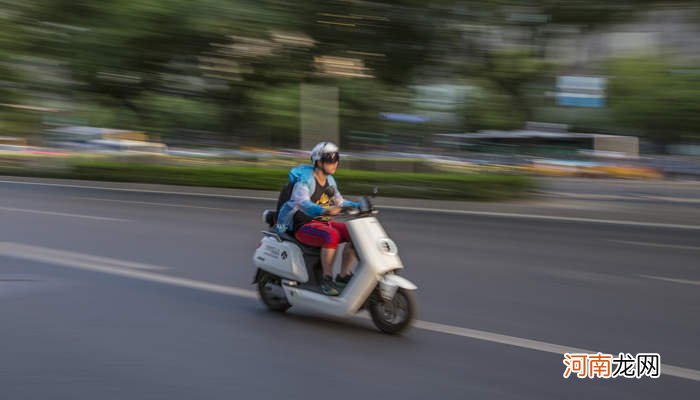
column 323, row 234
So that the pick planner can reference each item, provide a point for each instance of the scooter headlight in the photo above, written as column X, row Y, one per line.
column 387, row 246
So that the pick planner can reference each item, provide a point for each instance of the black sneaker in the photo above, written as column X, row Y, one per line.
column 328, row 287
column 341, row 282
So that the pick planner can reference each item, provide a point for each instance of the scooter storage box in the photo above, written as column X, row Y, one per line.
column 284, row 259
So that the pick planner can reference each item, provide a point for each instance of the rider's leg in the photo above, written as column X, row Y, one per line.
column 327, row 257
column 322, row 235
column 349, row 258
column 328, row 238
column 349, row 255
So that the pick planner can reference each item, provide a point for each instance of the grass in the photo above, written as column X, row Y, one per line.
column 441, row 186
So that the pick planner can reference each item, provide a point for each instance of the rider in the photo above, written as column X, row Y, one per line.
column 314, row 201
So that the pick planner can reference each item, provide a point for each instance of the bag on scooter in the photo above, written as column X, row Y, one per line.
column 284, row 196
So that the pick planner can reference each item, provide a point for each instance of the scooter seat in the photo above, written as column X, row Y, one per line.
column 310, row 250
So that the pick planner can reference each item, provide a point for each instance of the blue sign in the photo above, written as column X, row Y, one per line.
column 411, row 118
column 580, row 100
column 581, row 91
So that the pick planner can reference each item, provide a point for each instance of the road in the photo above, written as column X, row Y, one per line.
column 146, row 295
column 650, row 192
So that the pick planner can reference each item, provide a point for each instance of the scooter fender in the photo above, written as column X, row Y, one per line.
column 390, row 283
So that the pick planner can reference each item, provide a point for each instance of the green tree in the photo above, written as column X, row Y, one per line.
column 277, row 110
column 660, row 102
column 490, row 107
column 510, row 71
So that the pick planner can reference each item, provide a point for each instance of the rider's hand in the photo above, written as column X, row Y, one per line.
column 332, row 210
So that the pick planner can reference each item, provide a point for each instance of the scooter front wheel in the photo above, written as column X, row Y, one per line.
column 395, row 315
column 272, row 294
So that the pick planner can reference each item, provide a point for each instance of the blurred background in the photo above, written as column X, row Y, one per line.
column 561, row 87
column 581, row 117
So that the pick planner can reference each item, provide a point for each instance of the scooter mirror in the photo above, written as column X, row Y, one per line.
column 364, row 204
column 368, row 206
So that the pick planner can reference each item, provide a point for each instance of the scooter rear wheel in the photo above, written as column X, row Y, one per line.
column 274, row 302
column 393, row 316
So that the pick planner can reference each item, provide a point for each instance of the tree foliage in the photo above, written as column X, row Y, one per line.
column 660, row 101
column 235, row 66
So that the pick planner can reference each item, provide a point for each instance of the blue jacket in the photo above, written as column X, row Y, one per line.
column 304, row 186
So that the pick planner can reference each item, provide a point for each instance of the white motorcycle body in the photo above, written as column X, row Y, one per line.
column 282, row 258
column 298, row 268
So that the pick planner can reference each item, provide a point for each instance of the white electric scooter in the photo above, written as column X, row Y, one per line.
column 289, row 273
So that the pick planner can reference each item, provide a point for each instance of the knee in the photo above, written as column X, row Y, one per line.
column 332, row 240
column 349, row 249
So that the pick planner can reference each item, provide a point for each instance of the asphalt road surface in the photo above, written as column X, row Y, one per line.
column 650, row 192
column 132, row 295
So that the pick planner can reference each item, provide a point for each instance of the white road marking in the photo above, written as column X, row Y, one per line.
column 435, row 210
column 666, row 369
column 674, row 280
column 223, row 196
column 632, row 196
column 586, row 196
column 60, row 214
column 547, row 217
column 69, row 258
column 19, row 251
column 673, row 199
column 662, row 245
column 150, row 203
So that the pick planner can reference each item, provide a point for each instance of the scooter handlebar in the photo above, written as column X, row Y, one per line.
column 350, row 210
column 366, row 207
